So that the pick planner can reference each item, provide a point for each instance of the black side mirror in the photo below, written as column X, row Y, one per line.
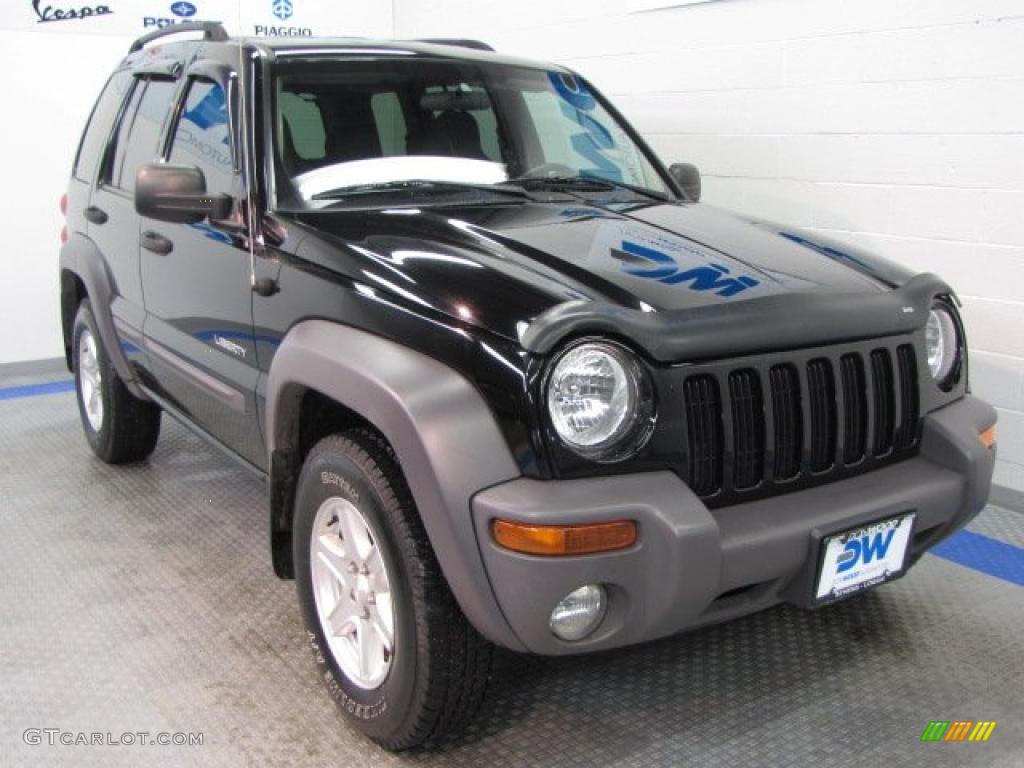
column 177, row 194
column 688, row 178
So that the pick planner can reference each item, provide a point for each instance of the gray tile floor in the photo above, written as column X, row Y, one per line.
column 142, row 599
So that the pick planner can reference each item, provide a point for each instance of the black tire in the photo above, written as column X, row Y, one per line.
column 128, row 427
column 440, row 666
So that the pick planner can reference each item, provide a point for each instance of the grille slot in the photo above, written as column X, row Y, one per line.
column 704, row 434
column 747, row 427
column 855, row 408
column 821, row 394
column 884, row 401
column 787, row 420
column 906, row 362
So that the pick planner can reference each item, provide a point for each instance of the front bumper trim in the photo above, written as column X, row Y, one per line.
column 692, row 566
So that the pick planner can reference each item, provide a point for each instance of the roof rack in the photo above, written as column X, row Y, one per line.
column 212, row 30
column 478, row 45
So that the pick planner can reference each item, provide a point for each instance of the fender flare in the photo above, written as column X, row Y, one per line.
column 80, row 256
column 439, row 426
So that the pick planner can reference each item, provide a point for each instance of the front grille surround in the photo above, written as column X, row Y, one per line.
column 787, row 420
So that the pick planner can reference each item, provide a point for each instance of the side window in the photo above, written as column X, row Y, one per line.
column 304, row 124
column 144, row 136
column 114, row 158
column 203, row 137
column 97, row 130
column 138, row 133
column 387, row 113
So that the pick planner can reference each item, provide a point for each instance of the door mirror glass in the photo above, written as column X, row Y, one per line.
column 177, row 194
column 688, row 178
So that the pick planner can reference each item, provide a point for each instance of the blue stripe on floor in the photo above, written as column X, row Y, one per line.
column 33, row 390
column 996, row 558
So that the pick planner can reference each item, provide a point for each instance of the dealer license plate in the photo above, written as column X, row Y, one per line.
column 863, row 557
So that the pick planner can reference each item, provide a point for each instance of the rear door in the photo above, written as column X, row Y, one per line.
column 112, row 223
column 92, row 147
column 196, row 279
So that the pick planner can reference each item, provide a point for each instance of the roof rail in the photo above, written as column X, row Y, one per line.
column 212, row 30
column 478, row 45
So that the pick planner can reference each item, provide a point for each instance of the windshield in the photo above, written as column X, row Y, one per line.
column 358, row 128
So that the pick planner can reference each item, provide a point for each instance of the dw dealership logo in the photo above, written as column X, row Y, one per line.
column 864, row 549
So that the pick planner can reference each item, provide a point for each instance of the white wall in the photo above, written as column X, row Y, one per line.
column 38, row 137
column 893, row 124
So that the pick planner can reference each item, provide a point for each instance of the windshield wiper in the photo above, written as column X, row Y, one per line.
column 418, row 185
column 584, row 183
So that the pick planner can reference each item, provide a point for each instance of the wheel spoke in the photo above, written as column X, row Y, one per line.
column 332, row 559
column 378, row 576
column 382, row 631
column 364, row 636
column 352, row 533
column 89, row 355
column 341, row 619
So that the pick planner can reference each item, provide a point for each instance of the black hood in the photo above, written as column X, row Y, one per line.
column 501, row 266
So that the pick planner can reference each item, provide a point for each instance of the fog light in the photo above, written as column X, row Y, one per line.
column 579, row 613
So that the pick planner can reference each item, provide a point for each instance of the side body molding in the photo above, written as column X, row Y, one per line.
column 80, row 256
column 442, row 431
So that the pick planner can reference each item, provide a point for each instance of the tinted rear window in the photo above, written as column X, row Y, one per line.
column 143, row 137
column 97, row 130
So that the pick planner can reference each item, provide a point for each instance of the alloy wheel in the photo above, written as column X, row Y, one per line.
column 352, row 593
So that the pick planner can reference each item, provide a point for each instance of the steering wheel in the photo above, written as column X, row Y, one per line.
column 549, row 171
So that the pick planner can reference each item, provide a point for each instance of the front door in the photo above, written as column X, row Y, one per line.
column 196, row 282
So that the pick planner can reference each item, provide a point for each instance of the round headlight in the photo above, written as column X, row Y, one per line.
column 599, row 401
column 941, row 343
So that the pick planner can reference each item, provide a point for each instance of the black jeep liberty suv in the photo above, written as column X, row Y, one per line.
column 507, row 381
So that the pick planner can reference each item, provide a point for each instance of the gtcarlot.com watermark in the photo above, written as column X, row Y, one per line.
column 58, row 737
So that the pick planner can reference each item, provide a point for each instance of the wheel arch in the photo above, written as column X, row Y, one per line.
column 72, row 292
column 84, row 274
column 440, row 428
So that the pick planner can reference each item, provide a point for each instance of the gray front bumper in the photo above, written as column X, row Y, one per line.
column 692, row 566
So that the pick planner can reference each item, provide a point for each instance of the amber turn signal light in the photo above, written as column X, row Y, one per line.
column 555, row 540
column 988, row 437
